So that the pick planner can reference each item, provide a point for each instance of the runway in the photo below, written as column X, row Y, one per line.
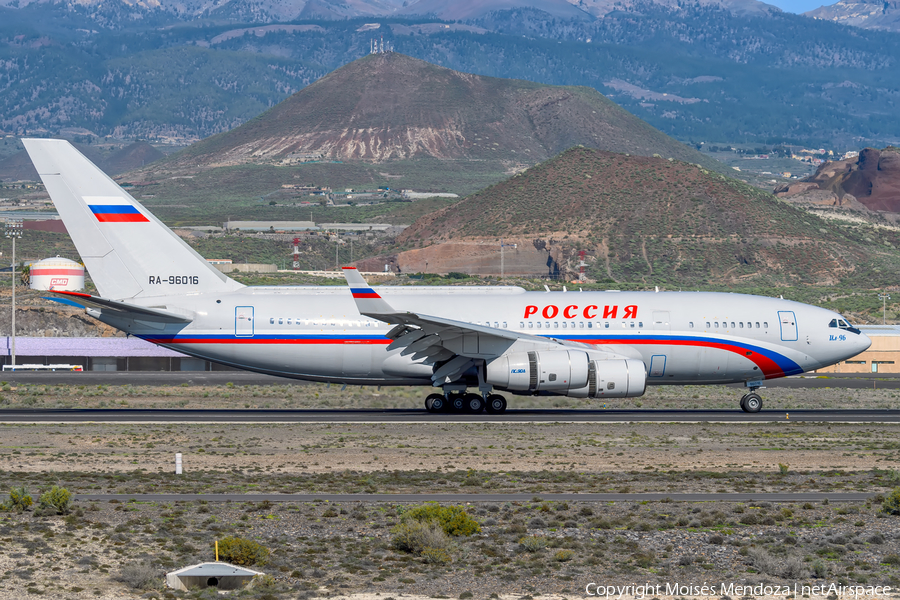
column 735, row 497
column 421, row 416
column 212, row 378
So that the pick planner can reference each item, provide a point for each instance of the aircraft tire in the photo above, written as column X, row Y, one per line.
column 752, row 403
column 457, row 403
column 435, row 403
column 496, row 404
column 744, row 403
column 474, row 404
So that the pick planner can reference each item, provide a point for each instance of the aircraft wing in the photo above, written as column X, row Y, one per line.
column 121, row 310
column 456, row 344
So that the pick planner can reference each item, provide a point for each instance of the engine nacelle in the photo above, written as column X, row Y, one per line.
column 617, row 378
column 550, row 370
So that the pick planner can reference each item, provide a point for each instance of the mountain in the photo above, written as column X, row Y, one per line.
column 872, row 178
column 638, row 218
column 459, row 10
column 868, row 14
column 698, row 72
column 388, row 107
column 18, row 167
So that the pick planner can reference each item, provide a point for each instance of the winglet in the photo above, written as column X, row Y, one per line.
column 367, row 300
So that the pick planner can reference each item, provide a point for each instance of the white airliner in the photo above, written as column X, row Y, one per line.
column 580, row 344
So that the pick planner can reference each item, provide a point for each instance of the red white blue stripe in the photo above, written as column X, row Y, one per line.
column 113, row 209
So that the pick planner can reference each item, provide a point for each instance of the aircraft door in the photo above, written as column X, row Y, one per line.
column 657, row 365
column 661, row 320
column 788, row 323
column 243, row 321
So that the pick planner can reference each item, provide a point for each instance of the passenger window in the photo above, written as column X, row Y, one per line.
column 732, row 324
column 707, row 325
column 766, row 324
column 640, row 324
column 632, row 324
column 530, row 325
column 271, row 320
column 539, row 324
column 606, row 325
column 717, row 324
column 691, row 324
column 757, row 324
column 564, row 324
column 504, row 324
column 581, row 324
column 590, row 325
column 741, row 324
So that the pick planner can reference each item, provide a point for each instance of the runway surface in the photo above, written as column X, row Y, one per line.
column 201, row 378
column 736, row 497
column 420, row 416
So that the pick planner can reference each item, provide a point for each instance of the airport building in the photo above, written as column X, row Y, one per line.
column 101, row 354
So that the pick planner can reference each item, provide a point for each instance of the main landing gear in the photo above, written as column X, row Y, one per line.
column 462, row 402
column 751, row 403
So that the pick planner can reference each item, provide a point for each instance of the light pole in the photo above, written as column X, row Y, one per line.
column 13, row 231
column 883, row 296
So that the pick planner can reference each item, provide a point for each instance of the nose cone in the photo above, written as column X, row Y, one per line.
column 863, row 342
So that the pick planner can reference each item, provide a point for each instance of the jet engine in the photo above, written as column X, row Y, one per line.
column 567, row 373
column 616, row 378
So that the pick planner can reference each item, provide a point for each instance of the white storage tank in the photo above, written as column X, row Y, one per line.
column 56, row 274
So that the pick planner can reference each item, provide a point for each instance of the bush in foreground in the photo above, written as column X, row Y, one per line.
column 417, row 536
column 454, row 520
column 19, row 500
column 58, row 501
column 891, row 504
column 242, row 552
column 138, row 575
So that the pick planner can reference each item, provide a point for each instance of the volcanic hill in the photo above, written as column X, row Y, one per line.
column 637, row 218
column 872, row 179
column 390, row 107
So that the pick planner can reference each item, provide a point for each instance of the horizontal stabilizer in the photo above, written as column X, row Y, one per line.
column 120, row 309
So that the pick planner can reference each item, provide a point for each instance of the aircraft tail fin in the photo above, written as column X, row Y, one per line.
column 128, row 252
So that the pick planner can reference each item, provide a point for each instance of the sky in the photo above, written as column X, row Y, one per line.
column 798, row 6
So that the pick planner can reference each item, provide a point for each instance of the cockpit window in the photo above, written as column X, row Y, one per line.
column 843, row 324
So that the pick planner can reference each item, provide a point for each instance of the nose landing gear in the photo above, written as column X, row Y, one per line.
column 751, row 402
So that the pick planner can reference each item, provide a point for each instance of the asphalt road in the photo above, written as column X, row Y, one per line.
column 848, row 381
column 126, row 415
column 736, row 497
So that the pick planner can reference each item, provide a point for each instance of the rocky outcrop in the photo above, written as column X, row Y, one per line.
column 868, row 14
column 872, row 179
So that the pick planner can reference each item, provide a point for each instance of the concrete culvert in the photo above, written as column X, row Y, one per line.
column 219, row 575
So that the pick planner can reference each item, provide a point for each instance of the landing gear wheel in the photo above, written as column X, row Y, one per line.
column 457, row 402
column 751, row 403
column 496, row 404
column 435, row 403
column 474, row 404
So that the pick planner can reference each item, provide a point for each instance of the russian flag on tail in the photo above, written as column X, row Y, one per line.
column 364, row 293
column 114, row 209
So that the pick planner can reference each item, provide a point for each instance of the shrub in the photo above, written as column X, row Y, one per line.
column 416, row 536
column 436, row 556
column 783, row 469
column 563, row 555
column 454, row 520
column 533, row 543
column 137, row 575
column 891, row 559
column 243, row 552
column 19, row 500
column 58, row 501
column 891, row 504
